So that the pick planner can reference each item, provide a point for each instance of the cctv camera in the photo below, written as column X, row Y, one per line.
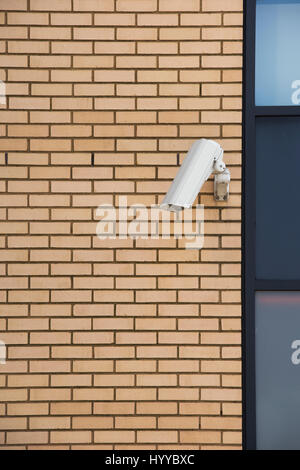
column 204, row 158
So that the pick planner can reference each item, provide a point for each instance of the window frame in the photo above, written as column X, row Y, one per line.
column 250, row 285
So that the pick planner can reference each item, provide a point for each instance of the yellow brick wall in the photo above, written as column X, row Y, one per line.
column 117, row 344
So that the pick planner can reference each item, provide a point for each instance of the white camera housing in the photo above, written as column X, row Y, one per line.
column 204, row 158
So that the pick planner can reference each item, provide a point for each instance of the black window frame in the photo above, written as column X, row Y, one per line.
column 250, row 285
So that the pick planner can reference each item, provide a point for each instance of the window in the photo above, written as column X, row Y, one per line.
column 271, row 225
column 277, row 57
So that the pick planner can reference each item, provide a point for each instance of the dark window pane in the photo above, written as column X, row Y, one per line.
column 277, row 52
column 278, row 198
column 277, row 340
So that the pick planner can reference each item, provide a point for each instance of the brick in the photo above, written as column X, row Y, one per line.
column 114, row 19
column 13, row 116
column 138, row 394
column 71, row 380
column 161, row 19
column 49, row 32
column 135, row 116
column 95, row 89
column 30, row 103
column 71, row 352
column 157, row 76
column 14, row 5
column 200, row 437
column 222, row 5
column 198, row 324
column 200, row 408
column 176, row 5
column 156, row 408
column 50, row 338
column 144, row 34
column 49, row 117
column 105, row 408
column 28, row 381
column 14, row 367
column 13, row 144
column 70, row 214
column 114, row 436
column 232, row 409
column 114, row 48
column 157, row 436
column 179, row 62
column 42, row 61
column 70, row 408
column 34, row 75
column 231, row 381
column 156, row 351
column 50, row 310
column 93, row 117
column 92, row 422
column 221, row 366
column 178, row 422
column 70, row 48
column 93, row 144
column 233, row 47
column 59, row 437
column 157, row 379
column 13, row 394
column 136, row 5
column 27, row 130
column 49, row 423
column 135, row 338
column 228, row 61
column 136, row 310
column 93, row 366
column 70, row 242
column 139, row 62
column 28, row 47
column 232, row 75
column 131, row 422
column 201, row 47
column 221, row 394
column 60, row 5
column 155, row 324
column 93, row 338
column 179, row 33
column 199, row 352
column 83, row 19
column 93, row 394
column 233, row 19
column 24, row 409
column 232, row 437
column 221, row 116
column 13, row 32
column 27, row 437
column 89, row 61
column 93, row 33
column 114, row 352
column 71, row 76
column 27, row 18
column 157, row 48
column 71, row 103
column 50, row 366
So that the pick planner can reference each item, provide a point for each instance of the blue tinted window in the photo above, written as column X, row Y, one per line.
column 278, row 198
column 277, row 338
column 277, row 52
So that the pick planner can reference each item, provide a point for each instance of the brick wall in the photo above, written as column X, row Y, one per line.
column 117, row 344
